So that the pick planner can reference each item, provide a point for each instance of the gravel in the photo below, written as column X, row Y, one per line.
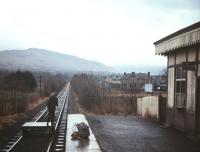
column 134, row 134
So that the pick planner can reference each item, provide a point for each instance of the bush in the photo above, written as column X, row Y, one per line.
column 86, row 87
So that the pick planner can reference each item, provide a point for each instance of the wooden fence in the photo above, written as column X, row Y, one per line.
column 14, row 101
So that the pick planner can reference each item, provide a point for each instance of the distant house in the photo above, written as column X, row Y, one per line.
column 137, row 82
column 114, row 81
column 133, row 81
column 182, row 49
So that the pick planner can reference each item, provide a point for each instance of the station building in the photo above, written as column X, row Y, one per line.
column 182, row 49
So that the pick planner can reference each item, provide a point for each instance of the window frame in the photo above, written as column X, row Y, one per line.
column 180, row 93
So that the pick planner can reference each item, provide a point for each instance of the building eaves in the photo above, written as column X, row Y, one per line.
column 179, row 32
column 184, row 37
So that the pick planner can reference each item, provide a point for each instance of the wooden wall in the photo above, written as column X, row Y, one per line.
column 183, row 119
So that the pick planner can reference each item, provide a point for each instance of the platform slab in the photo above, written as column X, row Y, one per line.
column 79, row 145
column 36, row 124
column 36, row 128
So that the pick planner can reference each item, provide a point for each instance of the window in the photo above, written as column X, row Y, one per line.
column 180, row 88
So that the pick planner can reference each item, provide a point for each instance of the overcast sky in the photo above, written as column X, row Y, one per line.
column 109, row 31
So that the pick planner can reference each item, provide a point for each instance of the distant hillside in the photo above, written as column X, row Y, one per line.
column 44, row 60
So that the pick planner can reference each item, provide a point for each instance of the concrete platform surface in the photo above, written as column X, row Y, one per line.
column 79, row 145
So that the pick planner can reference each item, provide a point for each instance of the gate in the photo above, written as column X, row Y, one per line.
column 162, row 109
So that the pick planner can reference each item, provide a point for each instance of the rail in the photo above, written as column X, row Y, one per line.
column 19, row 136
column 58, row 121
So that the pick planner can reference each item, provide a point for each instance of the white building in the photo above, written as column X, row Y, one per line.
column 182, row 49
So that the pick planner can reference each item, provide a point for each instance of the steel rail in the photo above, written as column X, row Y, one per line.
column 15, row 144
column 58, row 121
column 58, row 96
column 20, row 137
column 42, row 114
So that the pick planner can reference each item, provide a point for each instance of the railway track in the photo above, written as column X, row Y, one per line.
column 55, row 142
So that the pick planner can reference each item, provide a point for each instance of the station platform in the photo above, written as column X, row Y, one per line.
column 36, row 128
column 80, row 145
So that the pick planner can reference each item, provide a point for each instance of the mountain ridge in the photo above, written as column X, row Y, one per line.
column 35, row 59
column 45, row 60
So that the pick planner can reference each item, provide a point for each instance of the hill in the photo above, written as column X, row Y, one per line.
column 44, row 60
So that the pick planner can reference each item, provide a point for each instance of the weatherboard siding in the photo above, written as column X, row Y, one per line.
column 180, row 56
column 171, row 60
column 191, row 91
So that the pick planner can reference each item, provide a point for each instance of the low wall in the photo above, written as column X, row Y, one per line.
column 148, row 107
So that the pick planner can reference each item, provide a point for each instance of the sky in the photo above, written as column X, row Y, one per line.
column 113, row 32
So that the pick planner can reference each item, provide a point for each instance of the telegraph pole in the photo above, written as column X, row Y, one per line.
column 40, row 77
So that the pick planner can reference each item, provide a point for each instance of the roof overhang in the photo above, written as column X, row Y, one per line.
column 182, row 38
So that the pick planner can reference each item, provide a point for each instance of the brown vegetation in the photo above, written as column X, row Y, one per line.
column 15, row 101
column 95, row 97
column 21, row 91
column 11, row 119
